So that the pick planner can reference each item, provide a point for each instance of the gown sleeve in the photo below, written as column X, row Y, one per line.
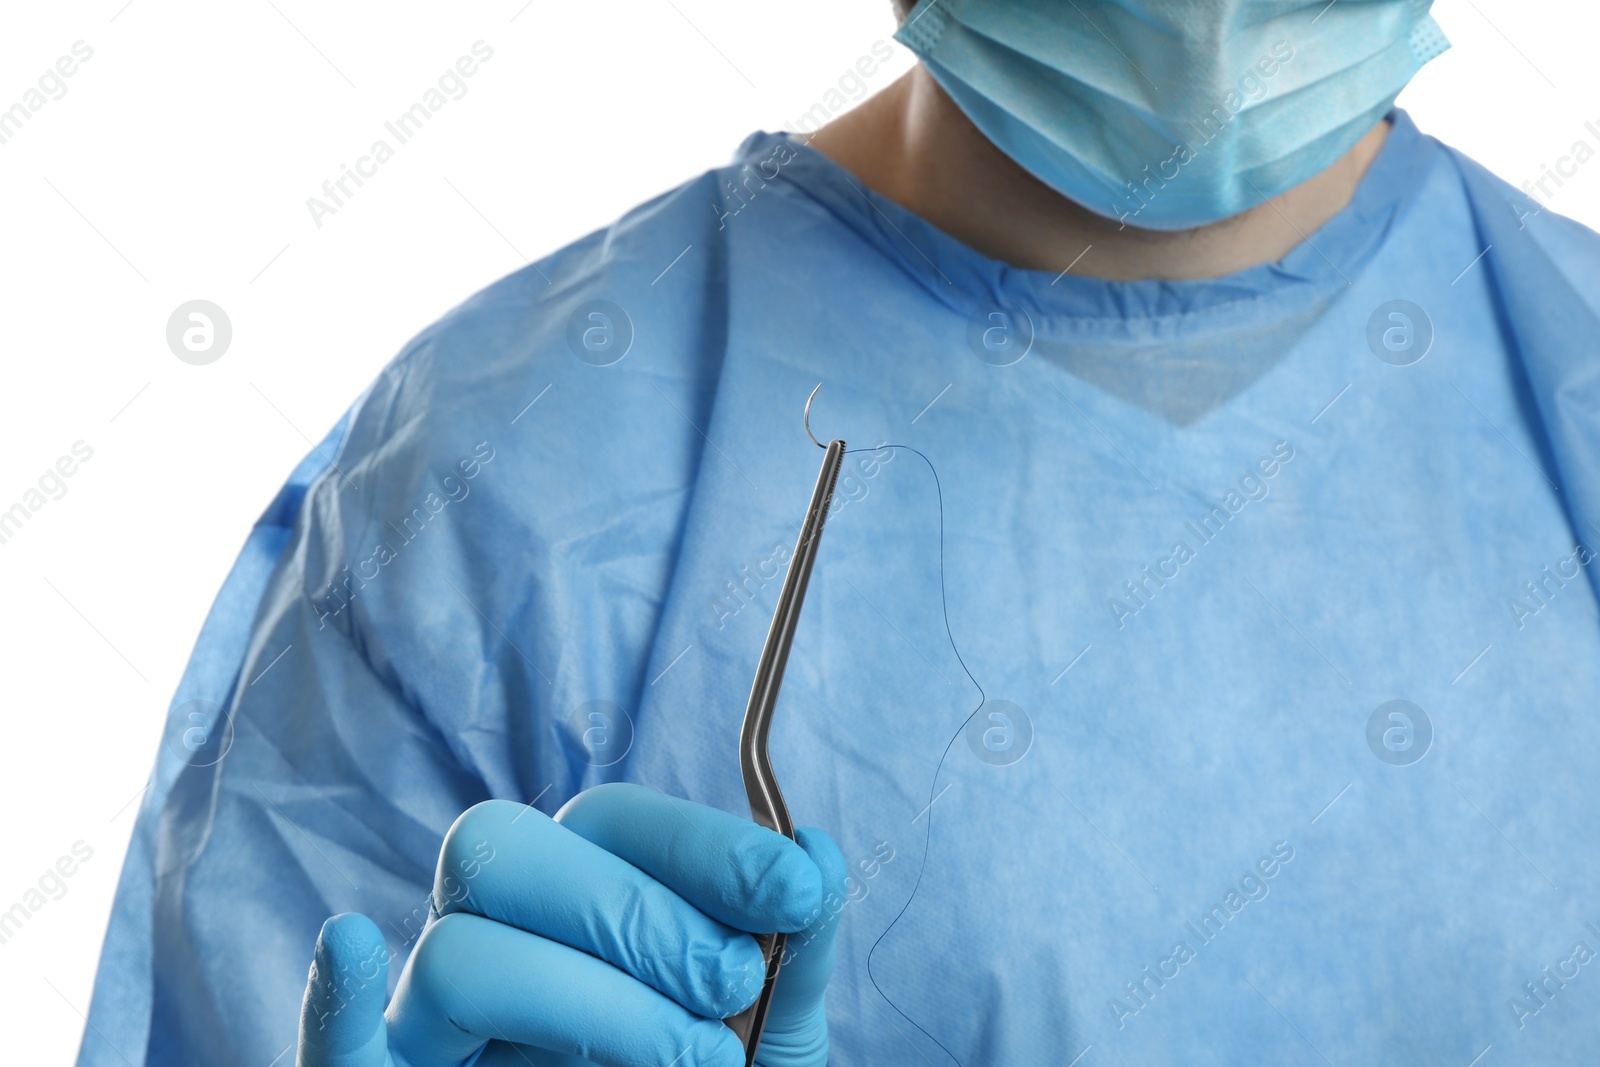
column 295, row 780
column 399, row 637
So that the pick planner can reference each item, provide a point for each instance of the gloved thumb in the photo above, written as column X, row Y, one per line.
column 796, row 1033
column 341, row 1018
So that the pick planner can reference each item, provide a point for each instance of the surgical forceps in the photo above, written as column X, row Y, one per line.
column 766, row 799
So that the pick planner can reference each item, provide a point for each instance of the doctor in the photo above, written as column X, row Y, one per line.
column 1266, row 434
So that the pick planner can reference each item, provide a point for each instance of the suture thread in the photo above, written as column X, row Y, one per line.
column 927, row 842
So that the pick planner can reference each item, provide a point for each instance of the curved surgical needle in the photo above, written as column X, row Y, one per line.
column 809, row 434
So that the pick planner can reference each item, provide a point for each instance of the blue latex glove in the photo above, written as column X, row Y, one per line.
column 609, row 934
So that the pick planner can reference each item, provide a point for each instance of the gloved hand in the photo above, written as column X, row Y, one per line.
column 609, row 934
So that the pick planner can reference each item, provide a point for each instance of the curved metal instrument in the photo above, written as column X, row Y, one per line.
column 766, row 799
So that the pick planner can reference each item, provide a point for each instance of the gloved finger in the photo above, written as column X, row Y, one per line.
column 809, row 955
column 796, row 1032
column 341, row 1017
column 472, row 979
column 512, row 863
column 730, row 868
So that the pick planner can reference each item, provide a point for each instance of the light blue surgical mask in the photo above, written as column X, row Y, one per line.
column 1169, row 114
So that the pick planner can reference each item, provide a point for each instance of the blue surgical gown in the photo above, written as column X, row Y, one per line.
column 1197, row 539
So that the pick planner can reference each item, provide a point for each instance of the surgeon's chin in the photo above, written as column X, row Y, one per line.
column 1305, row 207
column 912, row 144
column 1126, row 250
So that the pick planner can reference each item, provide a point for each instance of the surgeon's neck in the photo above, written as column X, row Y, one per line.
column 912, row 144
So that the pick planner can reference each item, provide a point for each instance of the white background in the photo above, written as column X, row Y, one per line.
column 177, row 166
